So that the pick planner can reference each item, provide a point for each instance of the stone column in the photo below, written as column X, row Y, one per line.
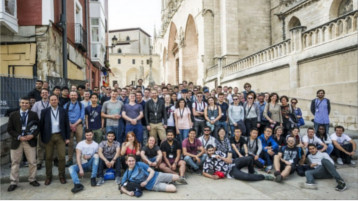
column 296, row 45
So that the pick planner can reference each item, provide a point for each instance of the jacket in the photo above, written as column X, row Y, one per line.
column 14, row 128
column 269, row 142
column 150, row 110
column 46, row 125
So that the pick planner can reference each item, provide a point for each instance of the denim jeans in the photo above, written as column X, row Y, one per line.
column 324, row 171
column 145, row 135
column 137, row 129
column 91, row 165
column 267, row 158
column 152, row 159
column 115, row 129
column 199, row 127
column 340, row 154
column 183, row 134
column 329, row 149
column 218, row 126
column 316, row 125
column 102, row 166
column 189, row 160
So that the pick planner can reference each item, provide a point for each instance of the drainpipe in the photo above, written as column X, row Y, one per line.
column 64, row 39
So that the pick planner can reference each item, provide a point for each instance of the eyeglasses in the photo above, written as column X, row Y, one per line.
column 206, row 130
column 250, row 98
column 235, row 99
column 290, row 141
column 200, row 96
column 293, row 102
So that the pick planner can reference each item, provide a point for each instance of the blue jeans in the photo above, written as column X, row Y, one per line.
column 145, row 135
column 267, row 158
column 218, row 126
column 183, row 134
column 316, row 125
column 329, row 149
column 152, row 159
column 189, row 160
column 115, row 129
column 137, row 129
column 91, row 165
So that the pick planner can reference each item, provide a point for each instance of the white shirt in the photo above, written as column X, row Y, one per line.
column 315, row 140
column 87, row 149
column 341, row 140
column 317, row 158
column 55, row 120
column 206, row 143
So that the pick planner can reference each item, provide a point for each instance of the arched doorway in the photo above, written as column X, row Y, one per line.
column 190, row 52
column 173, row 48
column 340, row 7
column 294, row 22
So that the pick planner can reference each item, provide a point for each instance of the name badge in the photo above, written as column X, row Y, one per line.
column 316, row 110
column 92, row 120
column 155, row 114
column 291, row 161
column 171, row 156
column 23, row 128
column 212, row 118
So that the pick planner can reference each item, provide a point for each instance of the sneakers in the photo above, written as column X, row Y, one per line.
column 77, row 188
column 276, row 173
column 100, row 181
column 352, row 162
column 269, row 177
column 278, row 178
column 308, row 186
column 69, row 163
column 182, row 180
column 118, row 180
column 341, row 186
column 93, row 181
column 229, row 176
column 339, row 161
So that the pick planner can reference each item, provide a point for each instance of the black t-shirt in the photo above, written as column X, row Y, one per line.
column 281, row 141
column 170, row 150
column 63, row 101
column 292, row 155
column 239, row 144
column 150, row 153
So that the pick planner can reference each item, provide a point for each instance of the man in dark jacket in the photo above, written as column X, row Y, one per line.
column 55, row 131
column 23, row 128
column 36, row 93
column 155, row 114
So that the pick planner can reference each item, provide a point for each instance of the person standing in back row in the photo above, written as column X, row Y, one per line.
column 320, row 108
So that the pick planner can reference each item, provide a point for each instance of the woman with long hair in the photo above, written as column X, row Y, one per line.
column 272, row 111
column 130, row 146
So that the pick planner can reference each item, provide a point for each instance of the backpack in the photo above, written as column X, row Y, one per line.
column 68, row 106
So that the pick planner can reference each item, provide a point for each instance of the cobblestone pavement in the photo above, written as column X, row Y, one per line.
column 199, row 187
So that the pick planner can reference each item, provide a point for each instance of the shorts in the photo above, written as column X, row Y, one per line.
column 283, row 166
column 162, row 181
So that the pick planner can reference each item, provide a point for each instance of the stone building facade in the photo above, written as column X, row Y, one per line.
column 130, row 57
column 292, row 47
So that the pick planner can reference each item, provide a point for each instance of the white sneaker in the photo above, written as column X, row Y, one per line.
column 339, row 161
column 100, row 181
column 352, row 162
column 308, row 186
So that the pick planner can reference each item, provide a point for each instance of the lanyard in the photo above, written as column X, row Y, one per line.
column 200, row 106
column 54, row 116
column 206, row 141
column 43, row 105
column 251, row 145
column 181, row 113
column 309, row 141
column 317, row 105
column 93, row 111
column 73, row 108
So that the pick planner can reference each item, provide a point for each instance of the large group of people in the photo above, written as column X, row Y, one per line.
column 153, row 136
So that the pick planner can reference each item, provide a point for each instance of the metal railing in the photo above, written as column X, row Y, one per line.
column 80, row 36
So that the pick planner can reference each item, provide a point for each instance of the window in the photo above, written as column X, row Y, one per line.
column 148, row 61
column 133, row 61
column 119, row 51
column 94, row 21
column 78, row 12
column 95, row 34
column 128, row 39
column 345, row 7
column 119, row 61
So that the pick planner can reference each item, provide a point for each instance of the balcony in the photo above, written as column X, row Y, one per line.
column 80, row 37
column 97, row 53
column 8, row 15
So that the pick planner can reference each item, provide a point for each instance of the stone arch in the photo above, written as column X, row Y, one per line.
column 132, row 74
column 339, row 8
column 173, row 60
column 190, row 52
column 294, row 22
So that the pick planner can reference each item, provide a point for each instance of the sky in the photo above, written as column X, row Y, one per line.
column 134, row 13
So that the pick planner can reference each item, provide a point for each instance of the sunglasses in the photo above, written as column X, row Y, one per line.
column 108, row 89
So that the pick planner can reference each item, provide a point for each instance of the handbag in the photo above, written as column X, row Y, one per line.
column 109, row 175
column 301, row 122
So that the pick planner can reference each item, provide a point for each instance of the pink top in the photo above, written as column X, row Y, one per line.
column 183, row 118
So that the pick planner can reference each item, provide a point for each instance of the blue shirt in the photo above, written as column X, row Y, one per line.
column 74, row 111
column 139, row 174
column 125, row 101
column 321, row 115
column 269, row 142
column 94, row 117
column 144, row 123
column 262, row 108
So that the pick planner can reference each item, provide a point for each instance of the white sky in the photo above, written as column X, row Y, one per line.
column 134, row 13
